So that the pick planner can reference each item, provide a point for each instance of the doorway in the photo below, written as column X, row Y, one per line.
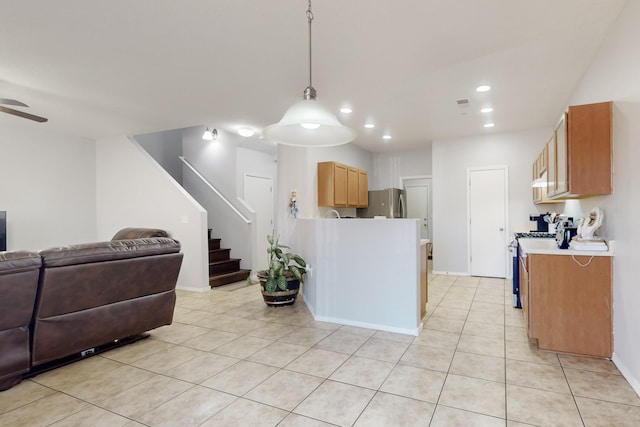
column 258, row 194
column 418, row 199
column 487, row 214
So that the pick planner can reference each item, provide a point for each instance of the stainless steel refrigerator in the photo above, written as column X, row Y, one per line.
column 389, row 203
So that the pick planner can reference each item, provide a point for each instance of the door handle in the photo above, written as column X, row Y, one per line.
column 501, row 229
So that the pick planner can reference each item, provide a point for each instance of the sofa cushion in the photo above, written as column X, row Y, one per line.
column 139, row 233
column 108, row 251
column 17, row 261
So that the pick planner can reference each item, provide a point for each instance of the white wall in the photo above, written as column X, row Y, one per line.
column 47, row 187
column 164, row 147
column 451, row 159
column 613, row 75
column 390, row 168
column 134, row 191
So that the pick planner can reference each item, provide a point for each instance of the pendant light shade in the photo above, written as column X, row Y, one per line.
column 307, row 123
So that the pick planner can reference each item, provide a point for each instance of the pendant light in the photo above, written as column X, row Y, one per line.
column 307, row 123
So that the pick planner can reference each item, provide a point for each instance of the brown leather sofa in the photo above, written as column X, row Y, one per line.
column 19, row 272
column 91, row 295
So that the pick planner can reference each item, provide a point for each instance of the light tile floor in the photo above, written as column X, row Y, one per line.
column 228, row 360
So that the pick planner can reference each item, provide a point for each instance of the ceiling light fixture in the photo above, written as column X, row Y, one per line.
column 210, row 135
column 483, row 88
column 346, row 110
column 369, row 125
column 307, row 123
column 486, row 110
column 489, row 125
column 246, row 132
column 386, row 137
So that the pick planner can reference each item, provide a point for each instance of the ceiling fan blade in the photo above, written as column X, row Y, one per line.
column 7, row 101
column 23, row 114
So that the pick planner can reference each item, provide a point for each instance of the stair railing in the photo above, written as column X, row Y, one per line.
column 215, row 190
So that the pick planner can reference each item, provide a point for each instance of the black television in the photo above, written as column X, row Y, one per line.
column 3, row 231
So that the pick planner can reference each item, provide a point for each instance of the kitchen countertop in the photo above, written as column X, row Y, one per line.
column 550, row 247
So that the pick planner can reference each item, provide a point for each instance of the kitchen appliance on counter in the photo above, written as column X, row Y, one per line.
column 541, row 224
column 515, row 250
column 388, row 203
column 564, row 233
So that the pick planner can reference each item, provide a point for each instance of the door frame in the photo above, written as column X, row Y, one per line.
column 257, row 239
column 430, row 213
column 505, row 168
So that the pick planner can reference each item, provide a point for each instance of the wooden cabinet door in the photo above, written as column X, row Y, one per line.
column 589, row 149
column 570, row 306
column 524, row 293
column 562, row 170
column 551, row 167
column 363, row 189
column 352, row 187
column 340, row 195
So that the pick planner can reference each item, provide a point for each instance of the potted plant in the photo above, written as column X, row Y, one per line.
column 280, row 283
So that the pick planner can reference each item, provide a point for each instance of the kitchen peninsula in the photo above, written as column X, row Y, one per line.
column 365, row 272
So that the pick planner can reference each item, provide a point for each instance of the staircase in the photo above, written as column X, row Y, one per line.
column 223, row 269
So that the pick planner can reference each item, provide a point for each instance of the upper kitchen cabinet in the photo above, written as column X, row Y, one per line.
column 583, row 153
column 363, row 189
column 541, row 172
column 340, row 185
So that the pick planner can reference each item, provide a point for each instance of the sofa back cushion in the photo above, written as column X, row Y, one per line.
column 79, row 277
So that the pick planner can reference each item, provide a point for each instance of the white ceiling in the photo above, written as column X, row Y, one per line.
column 125, row 67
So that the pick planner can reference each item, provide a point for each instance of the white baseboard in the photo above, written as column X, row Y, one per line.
column 192, row 289
column 449, row 273
column 626, row 373
column 405, row 331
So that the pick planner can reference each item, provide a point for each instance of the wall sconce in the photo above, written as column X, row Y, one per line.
column 210, row 135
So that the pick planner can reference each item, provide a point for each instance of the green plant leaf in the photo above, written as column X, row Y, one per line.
column 299, row 260
column 296, row 273
column 284, row 246
column 270, row 285
column 270, row 239
column 285, row 259
column 282, row 283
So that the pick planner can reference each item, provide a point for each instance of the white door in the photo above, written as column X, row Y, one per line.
column 488, row 222
column 258, row 193
column 417, row 196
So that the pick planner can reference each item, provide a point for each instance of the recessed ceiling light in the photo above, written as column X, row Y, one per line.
column 246, row 132
column 346, row 110
column 489, row 125
column 369, row 125
column 386, row 137
column 483, row 88
column 486, row 110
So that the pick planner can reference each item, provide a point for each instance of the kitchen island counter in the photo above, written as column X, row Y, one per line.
column 364, row 272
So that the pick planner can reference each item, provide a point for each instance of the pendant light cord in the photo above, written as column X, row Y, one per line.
column 309, row 92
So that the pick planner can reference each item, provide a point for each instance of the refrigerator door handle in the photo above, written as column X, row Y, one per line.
column 401, row 207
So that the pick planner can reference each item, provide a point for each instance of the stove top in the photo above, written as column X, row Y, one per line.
column 535, row 235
